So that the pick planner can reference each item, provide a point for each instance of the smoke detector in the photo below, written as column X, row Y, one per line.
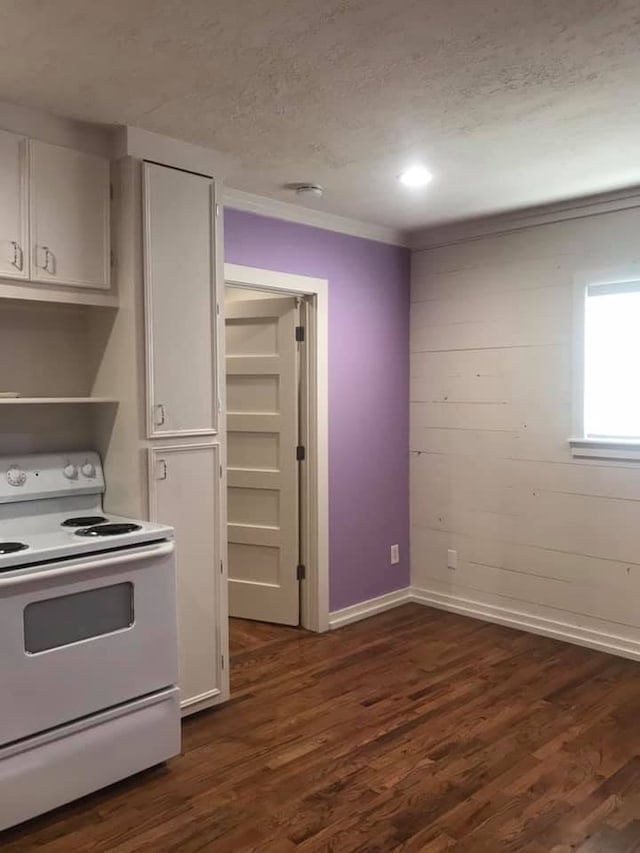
column 305, row 189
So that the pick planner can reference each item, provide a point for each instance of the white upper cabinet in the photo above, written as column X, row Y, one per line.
column 14, row 251
column 179, row 248
column 69, row 208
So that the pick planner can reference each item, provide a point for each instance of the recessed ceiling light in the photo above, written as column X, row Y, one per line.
column 415, row 177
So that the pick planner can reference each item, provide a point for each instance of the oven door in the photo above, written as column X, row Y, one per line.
column 80, row 636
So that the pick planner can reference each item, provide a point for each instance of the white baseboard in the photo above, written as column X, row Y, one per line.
column 603, row 642
column 364, row 609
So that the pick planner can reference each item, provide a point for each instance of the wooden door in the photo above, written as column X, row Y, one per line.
column 14, row 252
column 262, row 476
column 69, row 206
column 184, row 484
column 180, row 304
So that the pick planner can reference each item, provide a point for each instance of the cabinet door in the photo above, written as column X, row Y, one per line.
column 184, row 492
column 14, row 258
column 69, row 204
column 180, row 303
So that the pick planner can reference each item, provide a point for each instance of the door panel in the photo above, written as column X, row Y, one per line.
column 253, row 394
column 257, row 563
column 262, row 432
column 253, row 450
column 253, row 336
column 184, row 488
column 180, row 303
column 14, row 252
column 253, row 506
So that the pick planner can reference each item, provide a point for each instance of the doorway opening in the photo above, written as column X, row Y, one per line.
column 276, row 442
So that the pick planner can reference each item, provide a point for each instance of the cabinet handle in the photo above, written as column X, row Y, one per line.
column 18, row 256
column 48, row 257
column 162, row 475
column 160, row 415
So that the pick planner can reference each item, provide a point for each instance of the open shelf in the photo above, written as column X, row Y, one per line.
column 47, row 401
column 27, row 291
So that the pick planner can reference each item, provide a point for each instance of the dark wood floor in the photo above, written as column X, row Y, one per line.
column 416, row 730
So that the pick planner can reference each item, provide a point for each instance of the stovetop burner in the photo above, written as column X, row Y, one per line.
column 12, row 547
column 109, row 529
column 84, row 521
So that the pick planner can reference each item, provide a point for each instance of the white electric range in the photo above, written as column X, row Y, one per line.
column 88, row 637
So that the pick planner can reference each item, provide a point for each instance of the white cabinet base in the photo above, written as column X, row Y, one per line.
column 185, row 491
column 200, row 703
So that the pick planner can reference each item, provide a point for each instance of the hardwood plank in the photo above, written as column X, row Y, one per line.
column 416, row 730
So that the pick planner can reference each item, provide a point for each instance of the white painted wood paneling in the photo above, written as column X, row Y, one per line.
column 537, row 532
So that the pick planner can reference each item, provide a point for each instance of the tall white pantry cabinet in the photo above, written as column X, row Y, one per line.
column 183, row 410
column 167, row 236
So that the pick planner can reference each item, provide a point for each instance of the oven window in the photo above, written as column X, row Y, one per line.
column 68, row 619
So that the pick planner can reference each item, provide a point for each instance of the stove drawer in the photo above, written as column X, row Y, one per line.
column 81, row 636
column 46, row 771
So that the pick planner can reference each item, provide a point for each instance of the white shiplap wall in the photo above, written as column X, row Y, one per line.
column 544, row 541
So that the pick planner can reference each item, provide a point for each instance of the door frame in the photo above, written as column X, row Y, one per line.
column 314, row 610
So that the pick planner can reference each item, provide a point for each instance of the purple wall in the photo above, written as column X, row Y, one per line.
column 368, row 390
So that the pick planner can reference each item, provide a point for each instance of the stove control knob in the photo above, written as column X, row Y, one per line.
column 89, row 469
column 16, row 476
column 70, row 471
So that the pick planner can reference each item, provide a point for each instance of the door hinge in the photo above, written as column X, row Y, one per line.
column 221, row 567
column 300, row 334
column 300, row 453
column 222, row 661
column 112, row 257
column 301, row 572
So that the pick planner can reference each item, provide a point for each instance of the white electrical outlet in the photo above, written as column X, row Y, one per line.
column 452, row 559
column 395, row 555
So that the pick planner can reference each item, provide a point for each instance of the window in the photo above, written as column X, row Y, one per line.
column 54, row 622
column 612, row 361
column 610, row 388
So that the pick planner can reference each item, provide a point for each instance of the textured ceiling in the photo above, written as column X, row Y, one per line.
column 509, row 102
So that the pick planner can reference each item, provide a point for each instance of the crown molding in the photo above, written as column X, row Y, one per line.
column 476, row 229
column 240, row 200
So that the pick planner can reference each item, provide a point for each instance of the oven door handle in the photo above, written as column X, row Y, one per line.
column 162, row 549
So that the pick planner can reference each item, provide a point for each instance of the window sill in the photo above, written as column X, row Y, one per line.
column 605, row 448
